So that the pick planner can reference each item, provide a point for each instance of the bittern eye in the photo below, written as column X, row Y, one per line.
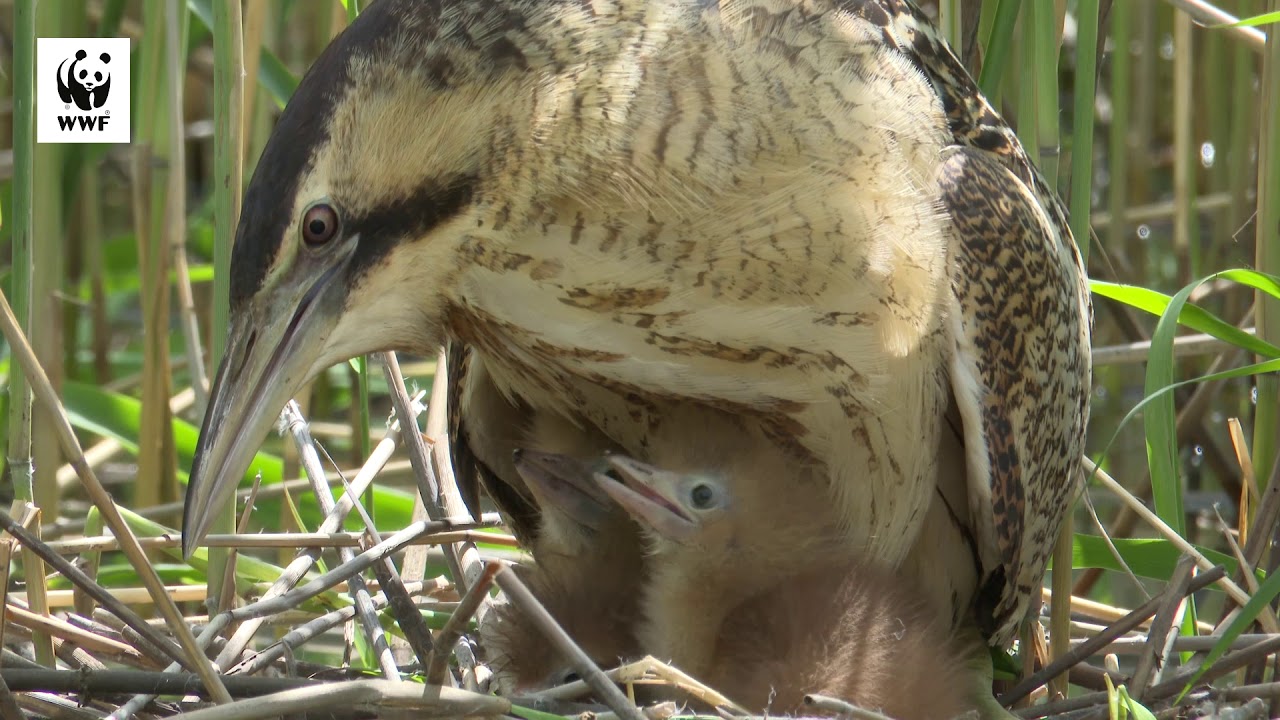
column 703, row 496
column 319, row 225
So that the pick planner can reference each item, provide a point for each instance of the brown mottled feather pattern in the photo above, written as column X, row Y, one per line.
column 1020, row 357
column 1023, row 297
column 478, row 413
column 802, row 212
column 457, row 363
column 666, row 175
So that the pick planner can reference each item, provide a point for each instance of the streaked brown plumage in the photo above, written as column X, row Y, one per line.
column 800, row 212
column 1021, row 379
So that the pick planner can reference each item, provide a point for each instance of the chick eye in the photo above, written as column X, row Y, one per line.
column 319, row 224
column 702, row 496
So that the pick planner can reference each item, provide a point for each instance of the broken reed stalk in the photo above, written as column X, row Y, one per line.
column 306, row 558
column 64, row 630
column 836, row 706
column 227, row 586
column 1096, row 643
column 46, row 396
column 325, row 581
column 415, row 630
column 107, row 543
column 1174, row 685
column 433, row 470
column 285, row 601
column 1267, row 619
column 361, row 697
column 413, row 564
column 9, row 709
column 609, row 693
column 430, row 470
column 1227, row 664
column 82, row 581
column 1155, row 652
column 452, row 630
column 310, row 461
column 141, row 681
column 408, row 617
column 300, row 634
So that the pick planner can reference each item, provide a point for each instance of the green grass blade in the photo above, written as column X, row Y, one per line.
column 999, row 44
column 1191, row 316
column 1255, row 21
column 1153, row 558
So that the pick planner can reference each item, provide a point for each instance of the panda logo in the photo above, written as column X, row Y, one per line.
column 86, row 80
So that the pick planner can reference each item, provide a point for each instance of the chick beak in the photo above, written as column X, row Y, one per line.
column 650, row 495
column 274, row 347
column 565, row 483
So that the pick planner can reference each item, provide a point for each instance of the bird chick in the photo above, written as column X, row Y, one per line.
column 588, row 562
column 556, row 459
column 519, row 654
column 722, row 604
column 856, row 632
column 717, row 537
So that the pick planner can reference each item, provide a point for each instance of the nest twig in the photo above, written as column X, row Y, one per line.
column 96, row 650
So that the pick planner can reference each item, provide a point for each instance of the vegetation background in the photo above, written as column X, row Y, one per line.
column 1159, row 124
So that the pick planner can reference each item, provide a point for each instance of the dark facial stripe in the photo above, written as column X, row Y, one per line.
column 268, row 203
column 407, row 219
column 402, row 33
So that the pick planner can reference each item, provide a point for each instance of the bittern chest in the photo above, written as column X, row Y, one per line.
column 774, row 249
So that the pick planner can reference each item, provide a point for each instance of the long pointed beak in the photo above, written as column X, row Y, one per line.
column 275, row 346
column 650, row 495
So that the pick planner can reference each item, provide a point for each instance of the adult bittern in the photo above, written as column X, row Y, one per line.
column 799, row 211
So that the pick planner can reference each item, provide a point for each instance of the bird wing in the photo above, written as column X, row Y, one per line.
column 1020, row 372
column 479, row 414
column 1021, row 368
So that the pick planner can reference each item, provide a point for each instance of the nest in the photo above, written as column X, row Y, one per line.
column 112, row 659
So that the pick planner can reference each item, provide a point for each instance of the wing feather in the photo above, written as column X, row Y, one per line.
column 1020, row 373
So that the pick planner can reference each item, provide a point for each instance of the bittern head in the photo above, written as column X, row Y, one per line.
column 357, row 218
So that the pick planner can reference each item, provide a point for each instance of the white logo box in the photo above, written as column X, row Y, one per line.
column 82, row 90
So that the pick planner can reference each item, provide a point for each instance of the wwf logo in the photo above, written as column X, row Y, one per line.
column 85, row 80
column 82, row 90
